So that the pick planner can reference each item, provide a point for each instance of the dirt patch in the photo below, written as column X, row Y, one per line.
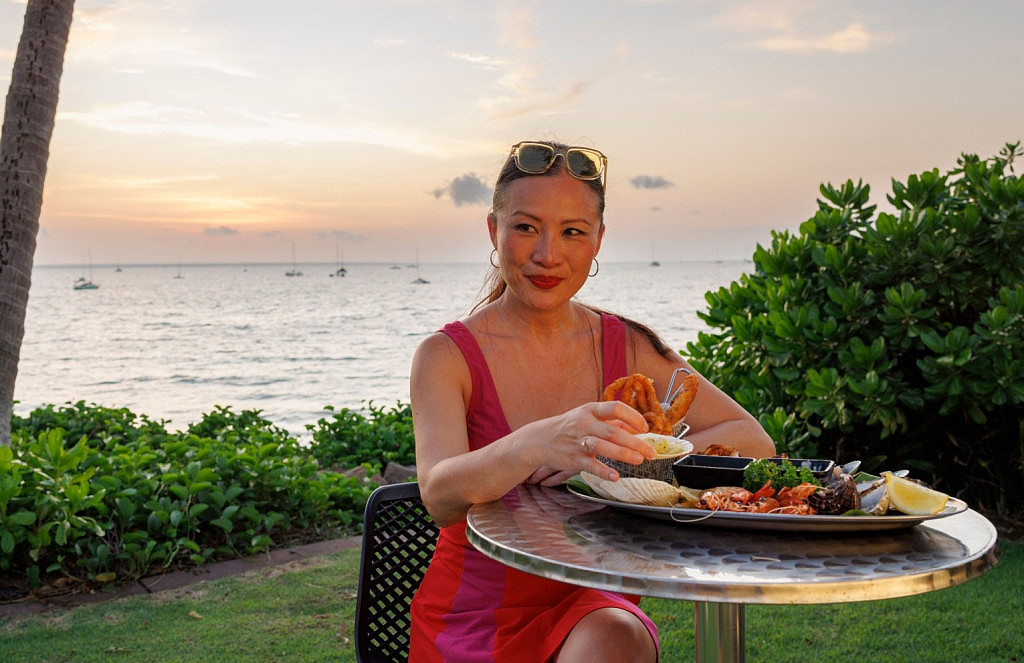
column 284, row 560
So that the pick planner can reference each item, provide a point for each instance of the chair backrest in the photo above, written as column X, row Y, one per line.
column 398, row 543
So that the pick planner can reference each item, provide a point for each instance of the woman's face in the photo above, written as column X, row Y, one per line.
column 547, row 236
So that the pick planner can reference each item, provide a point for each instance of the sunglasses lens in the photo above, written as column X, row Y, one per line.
column 537, row 158
column 534, row 158
column 585, row 164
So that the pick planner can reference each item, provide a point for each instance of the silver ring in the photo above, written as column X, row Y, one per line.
column 585, row 443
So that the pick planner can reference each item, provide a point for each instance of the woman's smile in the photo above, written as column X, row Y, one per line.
column 545, row 282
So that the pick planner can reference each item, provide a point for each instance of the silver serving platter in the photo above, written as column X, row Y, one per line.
column 776, row 522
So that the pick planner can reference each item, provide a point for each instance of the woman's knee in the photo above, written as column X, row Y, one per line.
column 608, row 634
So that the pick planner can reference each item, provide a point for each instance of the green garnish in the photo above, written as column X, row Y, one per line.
column 782, row 475
column 580, row 486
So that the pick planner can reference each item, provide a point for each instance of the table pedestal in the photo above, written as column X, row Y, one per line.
column 719, row 632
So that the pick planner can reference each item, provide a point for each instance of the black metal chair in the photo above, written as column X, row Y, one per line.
column 398, row 542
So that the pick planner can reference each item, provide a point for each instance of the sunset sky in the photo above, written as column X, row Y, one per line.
column 229, row 130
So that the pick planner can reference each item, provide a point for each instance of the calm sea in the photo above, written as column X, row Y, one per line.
column 172, row 343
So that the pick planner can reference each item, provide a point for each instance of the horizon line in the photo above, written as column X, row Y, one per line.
column 346, row 264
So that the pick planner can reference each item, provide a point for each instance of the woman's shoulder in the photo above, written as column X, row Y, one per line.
column 441, row 340
column 456, row 339
column 437, row 355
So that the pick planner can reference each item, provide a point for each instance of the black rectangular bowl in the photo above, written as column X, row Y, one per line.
column 700, row 471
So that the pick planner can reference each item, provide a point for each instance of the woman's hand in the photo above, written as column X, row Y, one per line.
column 607, row 428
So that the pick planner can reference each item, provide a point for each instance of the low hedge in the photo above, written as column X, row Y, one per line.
column 102, row 494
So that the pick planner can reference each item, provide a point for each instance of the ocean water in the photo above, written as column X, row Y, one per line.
column 250, row 337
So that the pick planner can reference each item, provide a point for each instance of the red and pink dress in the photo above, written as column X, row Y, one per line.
column 471, row 609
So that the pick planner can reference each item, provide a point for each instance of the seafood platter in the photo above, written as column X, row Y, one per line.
column 717, row 487
column 845, row 500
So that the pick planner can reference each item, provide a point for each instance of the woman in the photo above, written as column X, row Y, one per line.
column 511, row 395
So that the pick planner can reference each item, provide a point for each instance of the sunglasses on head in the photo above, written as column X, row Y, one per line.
column 583, row 163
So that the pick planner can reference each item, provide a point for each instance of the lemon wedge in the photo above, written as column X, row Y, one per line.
column 912, row 498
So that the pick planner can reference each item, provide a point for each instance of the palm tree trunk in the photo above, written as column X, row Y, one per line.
column 24, row 149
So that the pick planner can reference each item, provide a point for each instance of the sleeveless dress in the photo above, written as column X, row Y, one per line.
column 471, row 609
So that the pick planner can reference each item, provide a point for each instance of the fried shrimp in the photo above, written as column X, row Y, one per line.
column 681, row 404
column 720, row 450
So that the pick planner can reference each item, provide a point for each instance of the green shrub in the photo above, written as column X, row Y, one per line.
column 45, row 494
column 350, row 438
column 223, row 423
column 129, row 500
column 895, row 338
column 95, row 422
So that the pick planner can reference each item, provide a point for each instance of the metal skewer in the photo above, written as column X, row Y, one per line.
column 671, row 395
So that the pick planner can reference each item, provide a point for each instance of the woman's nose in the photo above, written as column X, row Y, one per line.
column 548, row 250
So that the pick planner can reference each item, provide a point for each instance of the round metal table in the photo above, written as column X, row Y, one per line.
column 552, row 533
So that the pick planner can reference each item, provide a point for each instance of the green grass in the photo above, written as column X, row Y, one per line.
column 981, row 620
column 304, row 613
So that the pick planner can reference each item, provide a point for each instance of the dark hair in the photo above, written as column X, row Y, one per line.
column 495, row 286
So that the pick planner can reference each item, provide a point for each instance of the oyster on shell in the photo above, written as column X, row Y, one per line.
column 874, row 499
column 634, row 490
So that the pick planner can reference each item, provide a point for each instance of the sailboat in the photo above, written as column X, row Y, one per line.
column 419, row 279
column 340, row 270
column 294, row 271
column 654, row 260
column 178, row 275
column 82, row 283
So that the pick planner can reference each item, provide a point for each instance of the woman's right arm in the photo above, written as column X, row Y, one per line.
column 452, row 478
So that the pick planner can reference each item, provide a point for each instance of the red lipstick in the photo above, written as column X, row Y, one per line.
column 545, row 282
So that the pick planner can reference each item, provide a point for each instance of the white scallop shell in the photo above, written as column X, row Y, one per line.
column 633, row 490
column 667, row 446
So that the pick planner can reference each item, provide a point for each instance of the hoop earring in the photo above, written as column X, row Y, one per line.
column 490, row 259
column 597, row 268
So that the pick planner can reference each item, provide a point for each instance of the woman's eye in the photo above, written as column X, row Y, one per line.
column 523, row 227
